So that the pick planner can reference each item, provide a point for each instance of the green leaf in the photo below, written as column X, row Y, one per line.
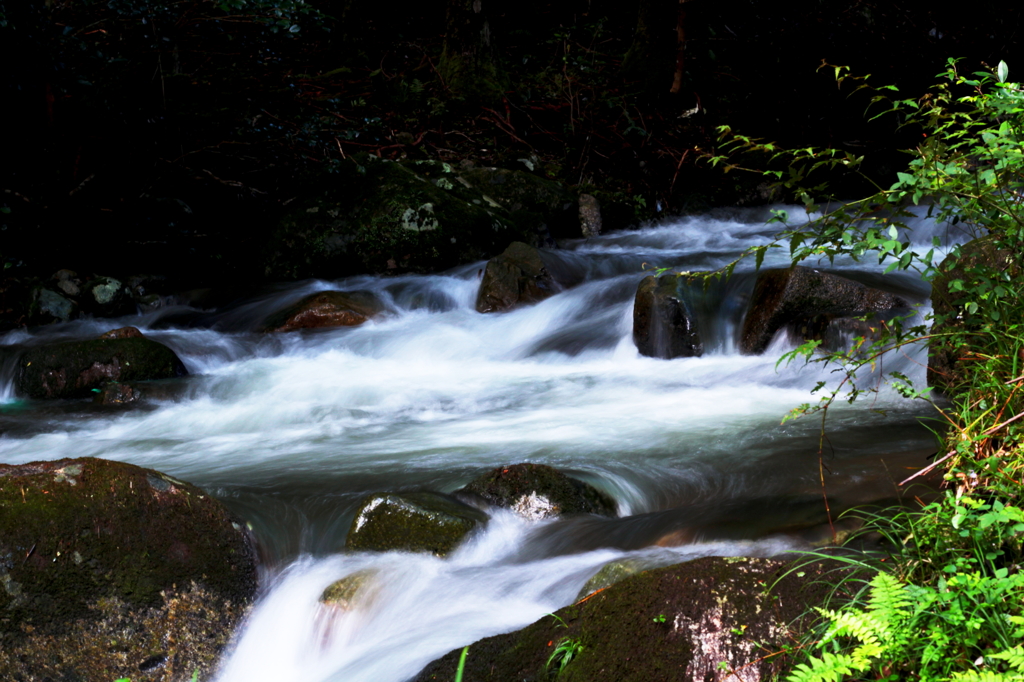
column 1002, row 71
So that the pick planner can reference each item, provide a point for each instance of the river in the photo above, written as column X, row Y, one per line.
column 292, row 430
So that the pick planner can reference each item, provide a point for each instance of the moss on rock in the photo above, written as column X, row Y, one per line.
column 710, row 619
column 73, row 368
column 412, row 522
column 84, row 540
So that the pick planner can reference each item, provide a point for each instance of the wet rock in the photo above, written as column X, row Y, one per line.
column 590, row 215
column 107, row 297
column 105, row 566
column 115, row 393
column 122, row 333
column 663, row 324
column 517, row 277
column 806, row 301
column 412, row 522
column 345, row 593
column 49, row 307
column 537, row 491
column 676, row 623
column 376, row 215
column 73, row 368
column 975, row 257
column 325, row 309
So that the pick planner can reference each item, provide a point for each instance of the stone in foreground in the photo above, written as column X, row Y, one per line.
column 108, row 570
column 537, row 491
column 663, row 325
column 412, row 522
column 807, row 301
column 711, row 619
column 74, row 368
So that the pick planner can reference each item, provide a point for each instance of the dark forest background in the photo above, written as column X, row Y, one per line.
column 163, row 135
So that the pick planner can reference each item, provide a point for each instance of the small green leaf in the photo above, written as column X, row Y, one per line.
column 1002, row 71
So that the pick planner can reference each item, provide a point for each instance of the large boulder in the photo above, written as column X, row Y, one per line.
column 977, row 258
column 109, row 570
column 325, row 309
column 807, row 301
column 663, row 324
column 74, row 368
column 412, row 522
column 537, row 491
column 711, row 619
column 516, row 277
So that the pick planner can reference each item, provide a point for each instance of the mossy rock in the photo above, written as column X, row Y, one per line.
column 325, row 309
column 976, row 257
column 517, row 276
column 376, row 215
column 538, row 491
column 412, row 522
column 670, row 624
column 345, row 593
column 87, row 543
column 807, row 301
column 663, row 324
column 74, row 368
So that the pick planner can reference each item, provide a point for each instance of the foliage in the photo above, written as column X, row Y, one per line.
column 565, row 651
column 949, row 604
column 462, row 664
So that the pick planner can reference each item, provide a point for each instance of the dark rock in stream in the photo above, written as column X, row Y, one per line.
column 325, row 309
column 537, row 491
column 49, row 307
column 807, row 301
column 666, row 625
column 663, row 325
column 109, row 569
column 516, row 277
column 412, row 522
column 74, row 368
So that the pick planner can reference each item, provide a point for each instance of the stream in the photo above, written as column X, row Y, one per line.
column 290, row 431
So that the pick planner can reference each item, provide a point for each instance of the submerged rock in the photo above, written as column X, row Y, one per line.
column 517, row 277
column 325, row 309
column 106, row 567
column 412, row 522
column 345, row 593
column 122, row 333
column 663, row 325
column 711, row 620
column 806, row 301
column 537, row 491
column 73, row 368
column 116, row 393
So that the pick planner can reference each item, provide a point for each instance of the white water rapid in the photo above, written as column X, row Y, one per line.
column 291, row 430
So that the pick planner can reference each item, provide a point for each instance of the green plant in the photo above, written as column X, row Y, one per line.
column 462, row 664
column 946, row 604
column 565, row 651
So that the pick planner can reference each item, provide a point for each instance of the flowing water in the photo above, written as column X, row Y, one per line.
column 292, row 430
